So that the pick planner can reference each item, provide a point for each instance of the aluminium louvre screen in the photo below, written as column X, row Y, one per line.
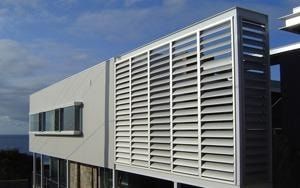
column 198, row 104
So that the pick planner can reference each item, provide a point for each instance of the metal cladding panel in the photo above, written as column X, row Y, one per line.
column 176, row 103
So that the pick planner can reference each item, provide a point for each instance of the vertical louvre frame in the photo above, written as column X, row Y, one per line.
column 185, row 106
column 122, row 111
column 256, row 97
column 216, row 87
column 139, row 110
column 160, row 151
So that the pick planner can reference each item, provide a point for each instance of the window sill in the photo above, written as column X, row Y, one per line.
column 56, row 133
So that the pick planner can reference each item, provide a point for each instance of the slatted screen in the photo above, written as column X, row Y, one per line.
column 166, row 119
column 217, row 102
column 122, row 107
column 256, row 97
column 160, row 139
column 139, row 110
column 175, row 103
column 185, row 106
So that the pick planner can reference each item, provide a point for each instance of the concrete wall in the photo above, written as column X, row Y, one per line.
column 91, row 87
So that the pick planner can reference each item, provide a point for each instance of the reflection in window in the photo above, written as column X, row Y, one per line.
column 49, row 120
column 42, row 121
column 106, row 178
column 62, row 173
column 53, row 169
column 34, row 122
column 69, row 118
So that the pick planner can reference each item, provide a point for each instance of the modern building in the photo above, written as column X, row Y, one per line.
column 192, row 109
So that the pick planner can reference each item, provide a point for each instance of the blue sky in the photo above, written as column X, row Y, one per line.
column 42, row 42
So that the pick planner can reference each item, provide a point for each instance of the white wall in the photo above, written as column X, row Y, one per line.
column 87, row 87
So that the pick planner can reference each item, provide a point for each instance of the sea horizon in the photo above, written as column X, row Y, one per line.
column 15, row 141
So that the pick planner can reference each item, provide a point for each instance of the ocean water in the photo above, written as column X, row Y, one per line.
column 19, row 142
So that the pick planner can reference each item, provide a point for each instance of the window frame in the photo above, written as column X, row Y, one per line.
column 58, row 123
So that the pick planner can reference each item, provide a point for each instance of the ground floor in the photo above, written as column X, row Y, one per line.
column 51, row 172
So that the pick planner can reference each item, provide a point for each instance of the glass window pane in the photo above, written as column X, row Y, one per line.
column 57, row 120
column 62, row 173
column 42, row 121
column 34, row 122
column 69, row 118
column 106, row 178
column 54, row 169
column 49, row 121
column 78, row 118
column 46, row 161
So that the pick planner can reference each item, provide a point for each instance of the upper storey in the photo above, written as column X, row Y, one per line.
column 70, row 119
column 194, row 103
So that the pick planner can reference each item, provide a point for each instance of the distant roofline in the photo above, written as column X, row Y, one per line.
column 289, row 16
column 285, row 48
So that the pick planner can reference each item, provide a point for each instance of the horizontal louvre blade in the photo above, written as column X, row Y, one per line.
column 217, row 142
column 218, row 150
column 218, row 166
column 218, row 175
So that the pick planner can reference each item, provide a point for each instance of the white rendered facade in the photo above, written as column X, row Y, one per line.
column 191, row 108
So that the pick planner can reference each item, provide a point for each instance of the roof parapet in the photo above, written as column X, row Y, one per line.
column 292, row 21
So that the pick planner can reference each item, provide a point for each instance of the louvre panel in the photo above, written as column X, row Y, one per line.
column 139, row 110
column 175, row 103
column 160, row 108
column 122, row 112
column 256, row 91
column 185, row 106
column 216, row 100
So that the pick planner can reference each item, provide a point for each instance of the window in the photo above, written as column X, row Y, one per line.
column 62, row 119
column 105, row 178
column 49, row 120
column 53, row 169
column 62, row 173
column 42, row 121
column 57, row 120
column 54, row 172
column 68, row 118
column 34, row 122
